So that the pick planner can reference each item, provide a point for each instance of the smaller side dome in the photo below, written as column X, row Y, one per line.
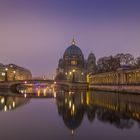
column 91, row 63
column 61, row 63
column 91, row 56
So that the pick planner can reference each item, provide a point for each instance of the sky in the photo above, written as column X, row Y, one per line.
column 35, row 33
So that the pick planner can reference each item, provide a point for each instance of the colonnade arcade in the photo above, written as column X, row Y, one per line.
column 120, row 76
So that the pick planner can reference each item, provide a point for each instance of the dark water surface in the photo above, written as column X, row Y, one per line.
column 69, row 115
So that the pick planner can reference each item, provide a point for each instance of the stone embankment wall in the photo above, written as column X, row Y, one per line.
column 120, row 88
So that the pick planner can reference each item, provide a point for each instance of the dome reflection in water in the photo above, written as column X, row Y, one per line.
column 119, row 110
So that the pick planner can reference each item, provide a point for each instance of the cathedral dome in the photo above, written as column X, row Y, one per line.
column 73, row 51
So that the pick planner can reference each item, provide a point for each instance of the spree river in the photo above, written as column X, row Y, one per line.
column 42, row 114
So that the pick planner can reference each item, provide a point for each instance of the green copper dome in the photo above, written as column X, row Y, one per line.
column 73, row 51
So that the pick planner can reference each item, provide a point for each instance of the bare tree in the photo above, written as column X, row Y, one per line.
column 112, row 63
column 137, row 62
column 106, row 64
column 125, row 59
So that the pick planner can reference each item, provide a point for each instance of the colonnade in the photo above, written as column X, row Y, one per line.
column 118, row 77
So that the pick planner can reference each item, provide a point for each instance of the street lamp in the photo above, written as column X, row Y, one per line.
column 82, row 73
column 73, row 75
column 73, row 70
column 3, row 75
column 14, row 76
column 6, row 74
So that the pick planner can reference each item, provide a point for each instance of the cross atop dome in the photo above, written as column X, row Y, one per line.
column 73, row 41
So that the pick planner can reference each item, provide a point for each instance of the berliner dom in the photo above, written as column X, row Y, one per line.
column 73, row 66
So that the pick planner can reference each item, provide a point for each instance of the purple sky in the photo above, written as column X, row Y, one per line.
column 35, row 33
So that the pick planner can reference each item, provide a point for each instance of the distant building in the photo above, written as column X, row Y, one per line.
column 73, row 66
column 13, row 72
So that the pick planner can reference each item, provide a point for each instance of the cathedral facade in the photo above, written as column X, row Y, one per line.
column 73, row 66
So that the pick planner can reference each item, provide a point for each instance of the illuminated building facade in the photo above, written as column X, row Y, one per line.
column 120, row 77
column 73, row 66
column 12, row 72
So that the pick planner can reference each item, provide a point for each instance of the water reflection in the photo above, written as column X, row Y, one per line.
column 119, row 110
column 70, row 108
column 36, row 90
column 11, row 102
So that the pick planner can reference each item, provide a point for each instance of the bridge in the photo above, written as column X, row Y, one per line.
column 69, row 85
column 14, row 84
column 58, row 85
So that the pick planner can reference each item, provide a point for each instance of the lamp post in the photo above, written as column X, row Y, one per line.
column 14, row 75
column 73, row 75
column 70, row 73
column 82, row 76
column 6, row 74
column 3, row 76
